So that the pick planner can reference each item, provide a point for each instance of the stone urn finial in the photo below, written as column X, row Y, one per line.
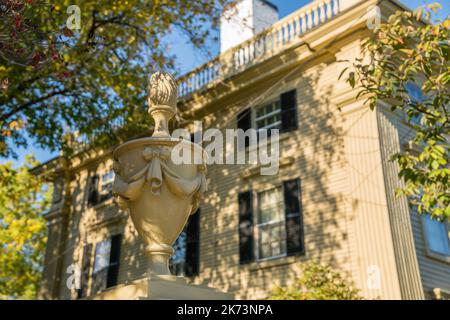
column 162, row 101
column 159, row 194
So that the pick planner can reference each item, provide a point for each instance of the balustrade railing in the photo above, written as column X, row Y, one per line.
column 263, row 46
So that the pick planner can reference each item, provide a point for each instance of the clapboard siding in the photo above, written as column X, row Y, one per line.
column 371, row 219
column 339, row 152
column 433, row 273
column 399, row 213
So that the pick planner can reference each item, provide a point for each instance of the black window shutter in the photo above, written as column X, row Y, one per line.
column 193, row 138
column 114, row 261
column 85, row 271
column 93, row 196
column 289, row 111
column 244, row 122
column 246, row 253
column 193, row 245
column 244, row 119
column 294, row 217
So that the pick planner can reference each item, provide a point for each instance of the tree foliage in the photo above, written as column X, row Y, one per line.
column 318, row 282
column 24, row 198
column 406, row 52
column 56, row 79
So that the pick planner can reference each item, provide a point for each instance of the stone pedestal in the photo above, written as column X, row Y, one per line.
column 162, row 288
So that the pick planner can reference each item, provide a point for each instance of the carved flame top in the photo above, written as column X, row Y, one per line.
column 162, row 90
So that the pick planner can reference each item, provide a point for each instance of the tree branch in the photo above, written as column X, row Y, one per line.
column 29, row 104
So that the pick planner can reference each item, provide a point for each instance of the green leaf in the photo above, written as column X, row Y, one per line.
column 400, row 52
column 24, row 199
column 435, row 164
column 351, row 79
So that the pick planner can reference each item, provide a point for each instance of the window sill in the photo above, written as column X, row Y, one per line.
column 275, row 262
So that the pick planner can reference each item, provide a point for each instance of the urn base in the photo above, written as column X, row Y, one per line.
column 162, row 288
column 158, row 259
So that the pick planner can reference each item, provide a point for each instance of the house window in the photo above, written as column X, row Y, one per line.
column 416, row 96
column 279, row 114
column 414, row 92
column 185, row 260
column 275, row 229
column 178, row 260
column 106, row 264
column 268, row 116
column 101, row 263
column 102, row 252
column 271, row 224
column 106, row 185
column 437, row 237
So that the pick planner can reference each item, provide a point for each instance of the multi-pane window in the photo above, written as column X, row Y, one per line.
column 106, row 264
column 271, row 224
column 269, row 116
column 100, row 188
column 106, row 185
column 437, row 236
column 102, row 253
column 280, row 114
column 101, row 264
column 275, row 229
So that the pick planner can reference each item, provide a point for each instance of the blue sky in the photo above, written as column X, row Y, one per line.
column 188, row 58
column 191, row 59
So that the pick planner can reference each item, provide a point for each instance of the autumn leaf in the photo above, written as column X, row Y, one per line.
column 77, row 73
column 24, row 198
column 67, row 32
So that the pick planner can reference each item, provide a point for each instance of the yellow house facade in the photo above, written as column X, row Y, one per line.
column 332, row 200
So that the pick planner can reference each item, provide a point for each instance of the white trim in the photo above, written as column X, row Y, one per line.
column 270, row 126
column 255, row 119
column 267, row 115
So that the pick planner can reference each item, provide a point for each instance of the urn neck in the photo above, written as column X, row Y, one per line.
column 161, row 114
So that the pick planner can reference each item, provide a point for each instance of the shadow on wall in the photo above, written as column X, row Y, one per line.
column 60, row 257
column 318, row 149
column 83, row 227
